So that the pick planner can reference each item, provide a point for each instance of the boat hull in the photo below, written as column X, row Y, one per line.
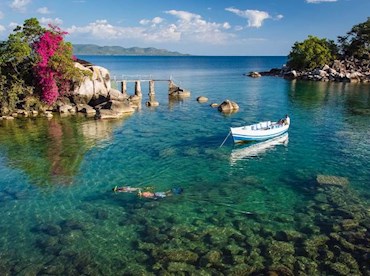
column 258, row 132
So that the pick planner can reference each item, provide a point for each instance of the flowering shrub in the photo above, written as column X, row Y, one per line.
column 54, row 68
column 36, row 63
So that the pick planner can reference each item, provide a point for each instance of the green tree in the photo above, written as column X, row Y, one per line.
column 17, row 59
column 20, row 57
column 356, row 43
column 311, row 53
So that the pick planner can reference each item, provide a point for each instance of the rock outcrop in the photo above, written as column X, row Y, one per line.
column 228, row 107
column 176, row 91
column 350, row 70
column 202, row 99
column 253, row 74
column 95, row 96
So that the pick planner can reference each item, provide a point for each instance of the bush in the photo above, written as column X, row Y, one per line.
column 311, row 53
column 36, row 61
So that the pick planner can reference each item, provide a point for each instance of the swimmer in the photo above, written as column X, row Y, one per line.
column 126, row 189
column 157, row 195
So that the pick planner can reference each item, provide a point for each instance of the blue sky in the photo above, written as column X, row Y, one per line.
column 198, row 27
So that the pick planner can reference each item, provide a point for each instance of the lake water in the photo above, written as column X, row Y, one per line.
column 242, row 212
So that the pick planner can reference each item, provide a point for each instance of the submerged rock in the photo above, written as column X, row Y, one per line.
column 176, row 267
column 213, row 257
column 184, row 256
column 332, row 180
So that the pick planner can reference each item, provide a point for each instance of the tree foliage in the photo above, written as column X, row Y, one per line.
column 35, row 61
column 311, row 53
column 16, row 64
column 356, row 43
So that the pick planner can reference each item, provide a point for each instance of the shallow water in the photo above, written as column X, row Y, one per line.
column 258, row 212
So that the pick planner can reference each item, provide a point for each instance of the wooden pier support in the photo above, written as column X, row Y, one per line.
column 124, row 87
column 138, row 89
column 151, row 87
column 152, row 101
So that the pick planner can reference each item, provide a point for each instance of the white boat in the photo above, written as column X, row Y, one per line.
column 260, row 131
column 259, row 148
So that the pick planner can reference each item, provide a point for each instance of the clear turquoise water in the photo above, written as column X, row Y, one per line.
column 59, row 215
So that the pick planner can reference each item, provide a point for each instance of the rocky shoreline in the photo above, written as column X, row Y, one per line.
column 94, row 97
column 351, row 70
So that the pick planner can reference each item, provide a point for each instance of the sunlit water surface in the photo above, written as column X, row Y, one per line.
column 59, row 215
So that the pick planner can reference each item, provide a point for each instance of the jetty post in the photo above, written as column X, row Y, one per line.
column 124, row 87
column 152, row 101
column 151, row 88
column 138, row 89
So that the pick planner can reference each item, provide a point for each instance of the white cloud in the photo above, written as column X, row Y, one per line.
column 157, row 20
column 53, row 21
column 319, row 1
column 226, row 26
column 99, row 28
column 255, row 17
column 1, row 15
column 43, row 10
column 2, row 29
column 19, row 5
column 194, row 28
column 154, row 21
column 187, row 28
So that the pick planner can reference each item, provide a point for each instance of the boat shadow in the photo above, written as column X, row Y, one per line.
column 255, row 149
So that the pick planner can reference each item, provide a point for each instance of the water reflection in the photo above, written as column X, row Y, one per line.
column 256, row 149
column 51, row 151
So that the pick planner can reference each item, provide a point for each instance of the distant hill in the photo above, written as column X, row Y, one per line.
column 91, row 49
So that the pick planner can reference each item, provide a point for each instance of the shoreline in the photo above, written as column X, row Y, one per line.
column 350, row 71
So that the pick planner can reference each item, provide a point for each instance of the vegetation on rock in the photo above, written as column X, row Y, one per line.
column 311, row 53
column 315, row 52
column 36, row 65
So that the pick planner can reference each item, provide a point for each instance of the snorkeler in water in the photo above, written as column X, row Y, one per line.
column 126, row 189
column 149, row 193
column 157, row 195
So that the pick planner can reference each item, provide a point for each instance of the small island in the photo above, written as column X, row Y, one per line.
column 318, row 59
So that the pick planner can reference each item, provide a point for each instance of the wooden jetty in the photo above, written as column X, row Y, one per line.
column 173, row 89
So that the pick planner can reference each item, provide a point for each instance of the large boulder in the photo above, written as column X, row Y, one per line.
column 116, row 95
column 176, row 91
column 116, row 111
column 254, row 75
column 202, row 99
column 228, row 107
column 96, row 84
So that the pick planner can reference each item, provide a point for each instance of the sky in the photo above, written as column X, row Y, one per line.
column 196, row 27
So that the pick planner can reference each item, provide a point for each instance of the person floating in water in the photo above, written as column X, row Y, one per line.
column 148, row 192
column 126, row 189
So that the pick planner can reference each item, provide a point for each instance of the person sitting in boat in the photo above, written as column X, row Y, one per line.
column 287, row 120
column 284, row 121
